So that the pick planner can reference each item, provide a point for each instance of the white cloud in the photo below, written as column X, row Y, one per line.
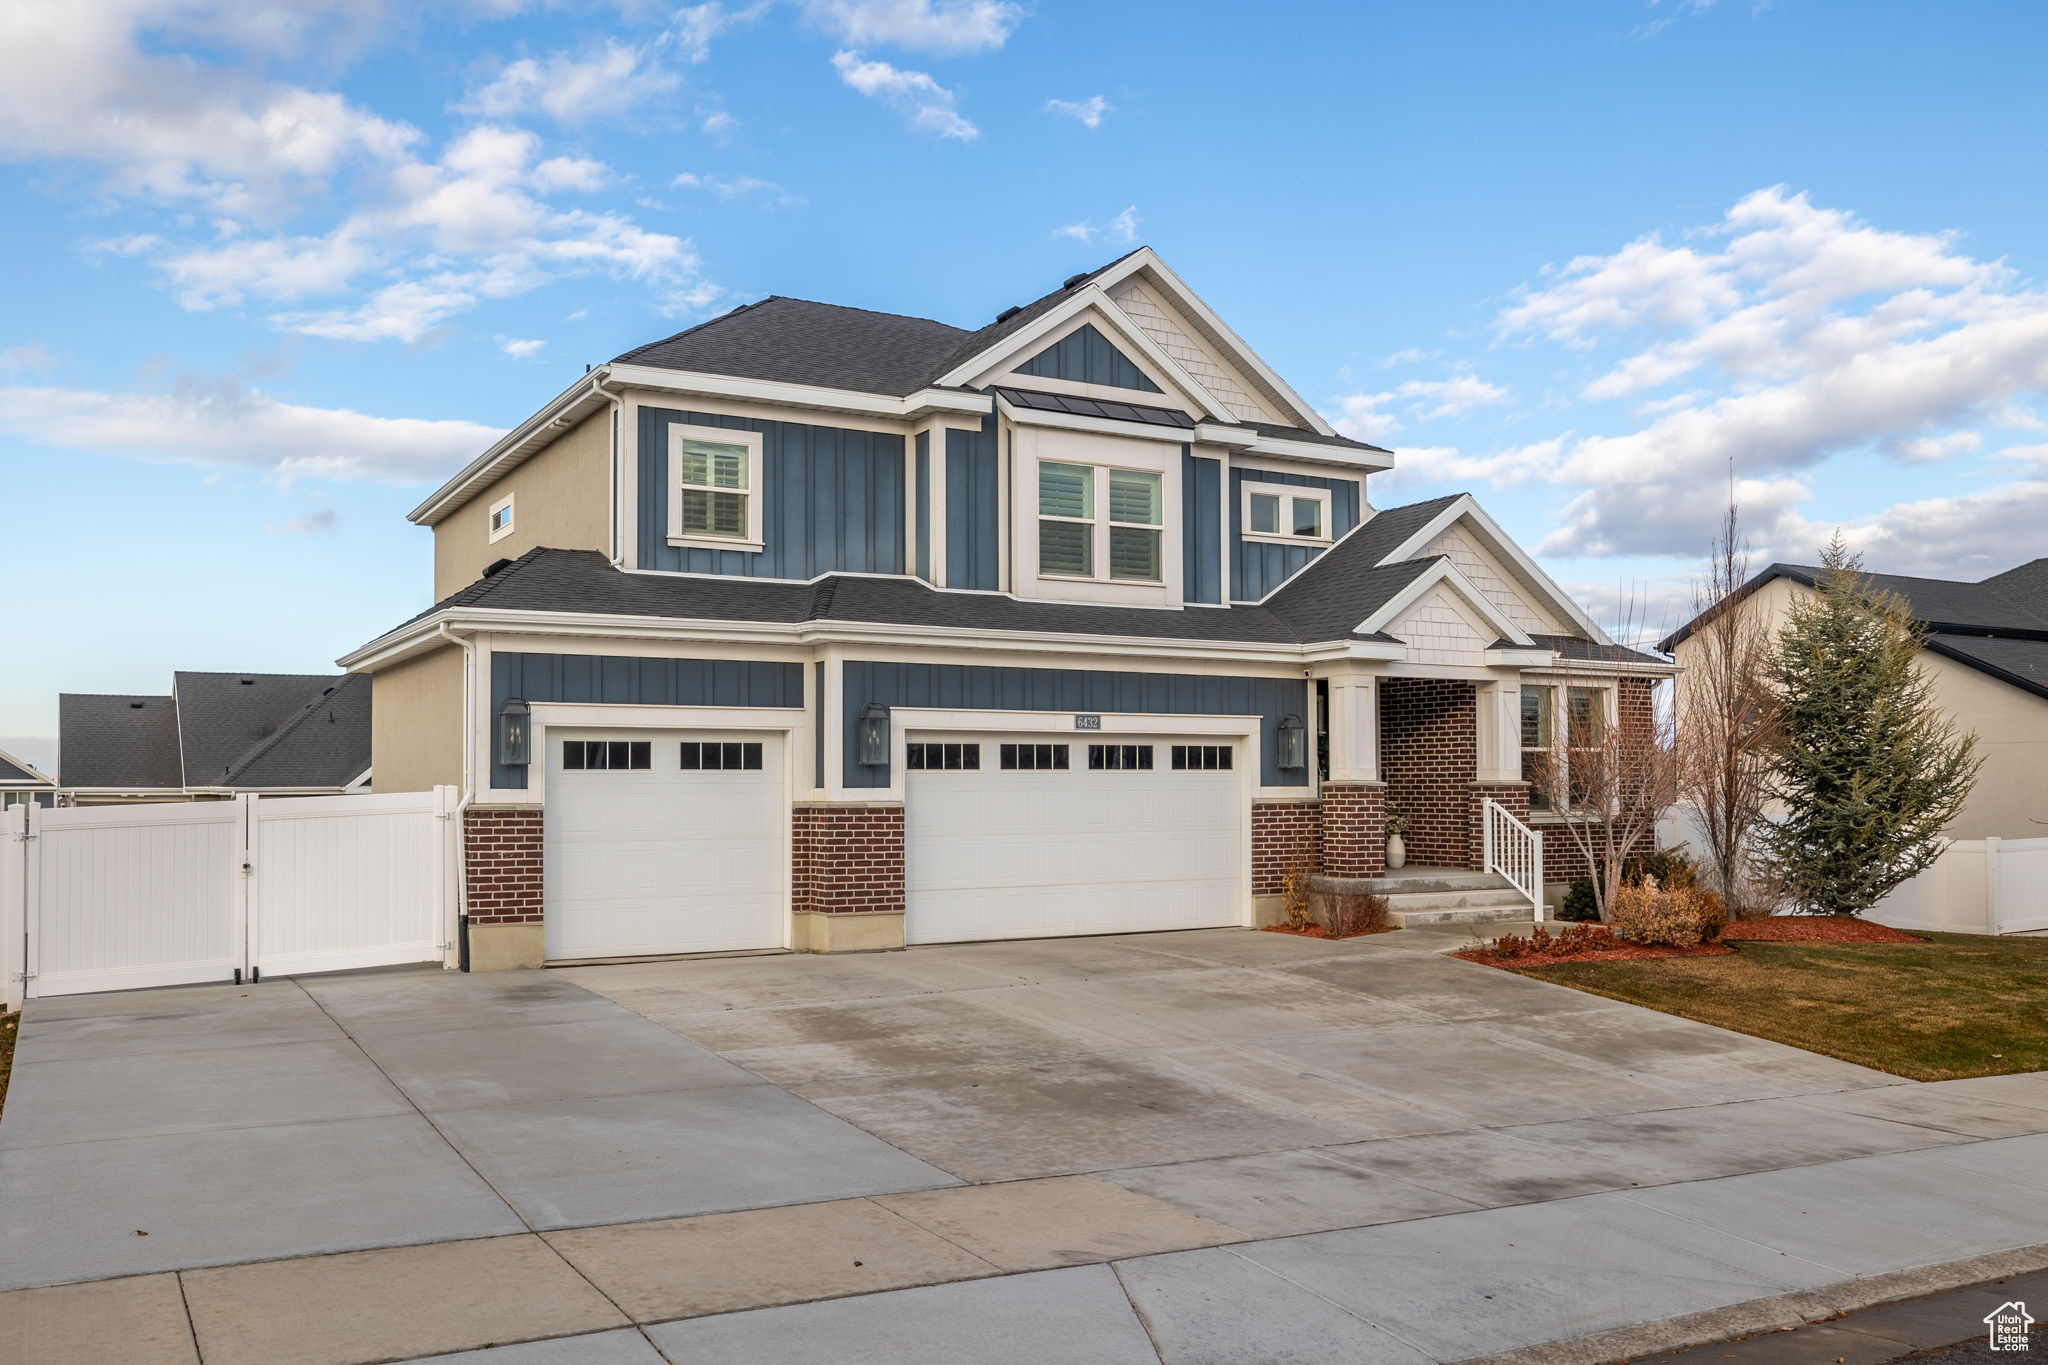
column 1080, row 232
column 520, row 349
column 720, row 125
column 31, row 358
column 1124, row 227
column 1088, row 113
column 606, row 82
column 307, row 523
column 730, row 187
column 1368, row 416
column 695, row 26
column 943, row 27
column 928, row 106
column 221, row 423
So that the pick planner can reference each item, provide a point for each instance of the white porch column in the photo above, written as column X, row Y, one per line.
column 1499, row 720
column 1354, row 727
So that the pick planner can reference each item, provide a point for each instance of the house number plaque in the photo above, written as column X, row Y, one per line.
column 1087, row 722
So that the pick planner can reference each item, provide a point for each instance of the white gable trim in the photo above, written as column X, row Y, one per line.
column 35, row 774
column 1445, row 572
column 1120, row 329
column 1145, row 259
column 1021, row 345
column 1497, row 540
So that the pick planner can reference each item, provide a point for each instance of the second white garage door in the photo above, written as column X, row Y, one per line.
column 663, row 841
column 1031, row 836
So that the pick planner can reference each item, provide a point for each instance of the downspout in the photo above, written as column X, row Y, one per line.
column 468, row 647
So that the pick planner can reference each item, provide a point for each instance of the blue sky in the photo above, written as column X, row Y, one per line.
column 271, row 271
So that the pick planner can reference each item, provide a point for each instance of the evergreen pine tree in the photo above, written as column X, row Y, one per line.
column 1868, row 771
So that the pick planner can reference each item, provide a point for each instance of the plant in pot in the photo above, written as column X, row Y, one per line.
column 1397, row 848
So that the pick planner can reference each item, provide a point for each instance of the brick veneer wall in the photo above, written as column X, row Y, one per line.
column 1354, row 829
column 848, row 857
column 501, row 852
column 1284, row 832
column 1429, row 755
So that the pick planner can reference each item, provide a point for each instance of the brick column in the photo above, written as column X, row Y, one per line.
column 847, row 882
column 1283, row 833
column 1354, row 829
column 1513, row 795
column 501, row 850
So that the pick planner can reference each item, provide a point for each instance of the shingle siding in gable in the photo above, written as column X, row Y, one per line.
column 833, row 499
column 1258, row 567
column 1086, row 356
column 973, row 509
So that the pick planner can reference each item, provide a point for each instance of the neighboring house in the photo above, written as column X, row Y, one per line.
column 824, row 628
column 22, row 784
column 1987, row 657
column 217, row 735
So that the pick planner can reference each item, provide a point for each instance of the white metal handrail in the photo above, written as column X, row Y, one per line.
column 1514, row 851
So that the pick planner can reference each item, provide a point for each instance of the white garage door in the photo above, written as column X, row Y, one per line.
column 663, row 841
column 1030, row 836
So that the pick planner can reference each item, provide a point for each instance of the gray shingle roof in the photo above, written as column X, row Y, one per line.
column 223, row 716
column 2022, row 663
column 1588, row 651
column 1278, row 432
column 130, row 742
column 326, row 744
column 13, row 772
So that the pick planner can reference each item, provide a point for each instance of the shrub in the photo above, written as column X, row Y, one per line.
column 1677, row 916
column 1579, row 902
column 1672, row 867
column 1294, row 897
column 1572, row 940
column 1356, row 913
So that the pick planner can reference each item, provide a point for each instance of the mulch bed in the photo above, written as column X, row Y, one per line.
column 1816, row 929
column 1632, row 952
column 1319, row 932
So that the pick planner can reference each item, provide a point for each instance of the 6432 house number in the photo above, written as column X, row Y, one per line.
column 1087, row 722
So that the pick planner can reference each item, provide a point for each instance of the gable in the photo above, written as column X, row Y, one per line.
column 1495, row 580
column 1086, row 356
column 1441, row 628
column 1163, row 323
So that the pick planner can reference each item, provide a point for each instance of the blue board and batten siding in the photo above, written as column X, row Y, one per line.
column 1201, row 498
column 832, row 499
column 921, row 510
column 1086, row 356
column 973, row 508
column 980, row 687
column 1257, row 567
column 625, row 680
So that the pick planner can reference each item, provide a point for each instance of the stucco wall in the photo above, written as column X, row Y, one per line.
column 562, row 499
column 416, row 723
column 2011, row 796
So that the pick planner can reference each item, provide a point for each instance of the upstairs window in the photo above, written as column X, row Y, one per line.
column 1280, row 513
column 714, row 495
column 1099, row 522
column 501, row 518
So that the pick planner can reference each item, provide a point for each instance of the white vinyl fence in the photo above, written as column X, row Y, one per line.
column 106, row 898
column 1976, row 886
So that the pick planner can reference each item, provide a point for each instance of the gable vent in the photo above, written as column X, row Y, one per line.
column 1009, row 313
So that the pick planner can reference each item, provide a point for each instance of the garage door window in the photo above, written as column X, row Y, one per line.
column 932, row 757
column 583, row 754
column 1205, row 757
column 1034, row 757
column 1119, row 757
column 721, row 756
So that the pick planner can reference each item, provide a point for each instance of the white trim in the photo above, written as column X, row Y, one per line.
column 1280, row 447
column 1499, row 542
column 1250, row 488
column 504, row 505
column 558, row 414
column 755, row 494
column 1010, row 377
column 1443, row 571
column 783, row 394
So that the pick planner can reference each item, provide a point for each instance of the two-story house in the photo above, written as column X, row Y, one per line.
column 822, row 628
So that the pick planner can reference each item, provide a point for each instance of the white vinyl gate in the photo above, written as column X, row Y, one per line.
column 107, row 898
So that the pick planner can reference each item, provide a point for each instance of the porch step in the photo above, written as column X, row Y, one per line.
column 1495, row 906
column 1437, row 895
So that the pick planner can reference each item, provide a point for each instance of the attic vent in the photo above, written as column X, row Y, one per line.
column 248, row 682
column 1009, row 313
column 1070, row 281
column 134, row 706
column 496, row 565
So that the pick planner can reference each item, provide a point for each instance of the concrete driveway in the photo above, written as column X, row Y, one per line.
column 1180, row 1147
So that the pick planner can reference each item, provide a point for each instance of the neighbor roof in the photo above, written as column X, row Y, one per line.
column 245, row 731
column 14, row 772
column 1998, row 626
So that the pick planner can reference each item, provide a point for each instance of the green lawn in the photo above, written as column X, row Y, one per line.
column 1957, row 1005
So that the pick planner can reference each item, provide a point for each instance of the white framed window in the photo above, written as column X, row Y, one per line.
column 1100, row 522
column 1285, row 514
column 1558, row 722
column 501, row 518
column 714, row 488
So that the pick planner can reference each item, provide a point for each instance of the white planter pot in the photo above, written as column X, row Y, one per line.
column 1397, row 852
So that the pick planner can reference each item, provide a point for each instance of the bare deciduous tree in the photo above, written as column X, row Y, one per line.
column 1727, row 720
